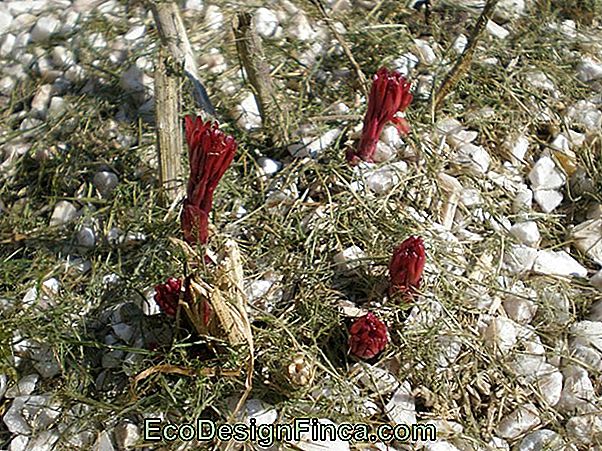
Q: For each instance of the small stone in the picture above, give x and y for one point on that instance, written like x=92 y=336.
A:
x=18 y=443
x=57 y=107
x=539 y=80
x=266 y=22
x=547 y=199
x=25 y=386
x=500 y=335
x=3 y=385
x=261 y=412
x=507 y=10
x=542 y=439
x=391 y=137
x=401 y=408
x=375 y=379
x=248 y=113
x=8 y=44
x=383 y=179
x=474 y=158
x=103 y=442
x=194 y=5
x=519 y=259
x=5 y=20
x=268 y=167
x=520 y=309
x=64 y=212
x=126 y=435
x=214 y=18
x=425 y=52
x=383 y=152
x=105 y=182
x=457 y=138
x=299 y=28
x=350 y=258
x=518 y=422
x=86 y=237
x=589 y=70
x=558 y=263
x=545 y=175
x=495 y=30
x=589 y=333
x=135 y=33
x=517 y=147
x=585 y=429
x=43 y=441
x=585 y=114
x=45 y=27
x=596 y=280
x=577 y=392
x=588 y=239
x=62 y=57
x=405 y=64
x=459 y=44
x=526 y=233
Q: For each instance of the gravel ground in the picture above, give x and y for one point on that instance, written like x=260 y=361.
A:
x=502 y=348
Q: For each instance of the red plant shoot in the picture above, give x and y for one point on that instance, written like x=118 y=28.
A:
x=367 y=336
x=167 y=296
x=210 y=152
x=390 y=93
x=406 y=266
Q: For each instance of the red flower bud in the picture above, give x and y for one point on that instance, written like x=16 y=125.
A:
x=167 y=296
x=406 y=266
x=210 y=152
x=389 y=94
x=367 y=336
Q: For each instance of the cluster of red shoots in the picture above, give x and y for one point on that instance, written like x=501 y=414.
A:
x=210 y=153
x=389 y=95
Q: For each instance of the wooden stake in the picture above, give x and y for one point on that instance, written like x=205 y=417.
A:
x=274 y=115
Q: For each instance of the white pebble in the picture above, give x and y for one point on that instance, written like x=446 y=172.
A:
x=586 y=115
x=6 y=19
x=547 y=199
x=519 y=258
x=517 y=147
x=460 y=44
x=588 y=239
x=57 y=106
x=214 y=18
x=383 y=152
x=63 y=213
x=540 y=80
x=522 y=200
x=589 y=333
x=62 y=57
x=40 y=102
x=103 y=442
x=25 y=386
x=390 y=136
x=545 y=175
x=520 y=309
x=425 y=52
x=405 y=63
x=589 y=70
x=350 y=258
x=550 y=386
x=526 y=233
x=495 y=30
x=542 y=439
x=194 y=5
x=135 y=33
x=8 y=44
x=383 y=179
x=500 y=335
x=518 y=422
x=456 y=138
x=45 y=27
x=267 y=166
x=126 y=435
x=248 y=113
x=474 y=158
x=577 y=392
x=557 y=263
x=596 y=280
x=299 y=28
x=266 y=22
x=401 y=408
x=509 y=9
x=585 y=429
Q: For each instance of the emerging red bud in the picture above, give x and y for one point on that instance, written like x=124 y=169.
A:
x=167 y=296
x=210 y=152
x=367 y=336
x=406 y=266
x=389 y=94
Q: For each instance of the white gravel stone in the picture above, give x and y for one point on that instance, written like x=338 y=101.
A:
x=589 y=70
x=194 y=5
x=390 y=136
x=401 y=408
x=350 y=258
x=500 y=334
x=550 y=386
x=18 y=443
x=588 y=239
x=41 y=101
x=268 y=167
x=383 y=179
x=6 y=19
x=64 y=212
x=586 y=115
x=3 y=385
x=248 y=113
x=542 y=439
x=25 y=386
x=425 y=52
x=405 y=63
x=495 y=30
x=585 y=429
x=540 y=80
x=547 y=199
x=214 y=18
x=526 y=233
x=376 y=379
x=313 y=148
x=62 y=57
x=105 y=182
x=299 y=28
x=577 y=392
x=474 y=158
x=45 y=27
x=29 y=413
x=103 y=442
x=7 y=44
x=383 y=152
x=57 y=107
x=266 y=22
x=545 y=175
x=126 y=435
x=588 y=332
x=457 y=138
x=135 y=33
x=459 y=44
x=518 y=422
x=596 y=280
x=519 y=259
x=520 y=309
x=558 y=263
x=43 y=441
